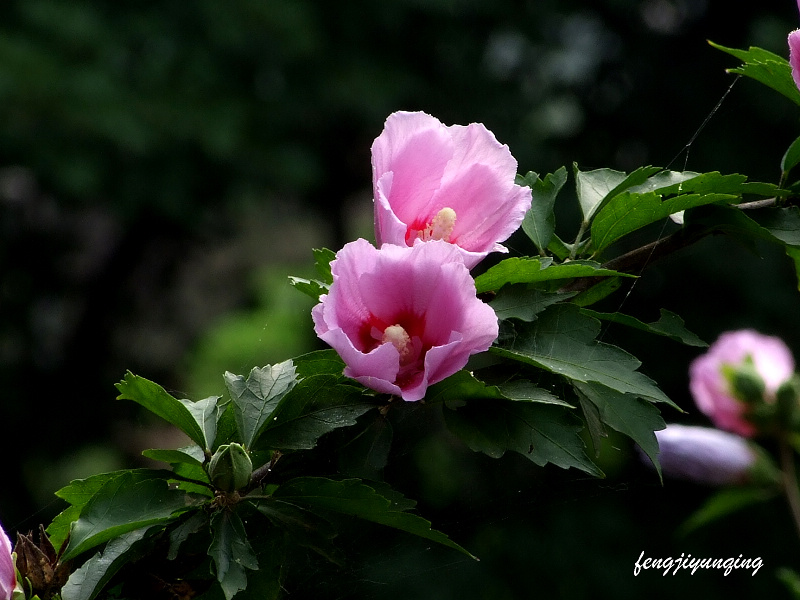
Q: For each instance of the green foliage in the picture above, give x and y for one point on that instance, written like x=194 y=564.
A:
x=669 y=325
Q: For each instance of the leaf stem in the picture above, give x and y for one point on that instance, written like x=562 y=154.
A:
x=578 y=238
x=790 y=487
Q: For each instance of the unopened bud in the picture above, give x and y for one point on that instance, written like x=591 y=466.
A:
x=746 y=383
x=230 y=468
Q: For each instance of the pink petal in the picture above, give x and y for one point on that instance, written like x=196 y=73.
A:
x=794 y=55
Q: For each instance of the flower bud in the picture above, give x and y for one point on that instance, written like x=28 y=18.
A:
x=710 y=456
x=230 y=468
x=745 y=381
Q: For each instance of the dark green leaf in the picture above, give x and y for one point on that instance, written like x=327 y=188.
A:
x=794 y=254
x=319 y=362
x=86 y=582
x=562 y=341
x=791 y=157
x=197 y=520
x=523 y=303
x=540 y=221
x=256 y=397
x=541 y=433
x=594 y=424
x=558 y=248
x=123 y=504
x=783 y=224
x=188 y=455
x=725 y=502
x=628 y=212
x=536 y=270
x=80 y=491
x=366 y=454
x=669 y=325
x=231 y=552
x=353 y=497
x=317 y=405
x=186 y=415
x=464 y=386
x=303 y=526
x=598 y=291
x=629 y=415
x=768 y=68
x=593 y=186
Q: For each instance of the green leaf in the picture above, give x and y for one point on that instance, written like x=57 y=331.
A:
x=768 y=68
x=629 y=212
x=317 y=405
x=322 y=262
x=366 y=453
x=791 y=157
x=540 y=221
x=231 y=552
x=668 y=325
x=631 y=416
x=123 y=504
x=725 y=502
x=310 y=287
x=86 y=582
x=190 y=417
x=594 y=425
x=593 y=186
x=536 y=270
x=303 y=526
x=541 y=433
x=256 y=397
x=464 y=386
x=320 y=362
x=794 y=254
x=562 y=341
x=598 y=291
x=355 y=498
x=523 y=303
x=80 y=491
x=192 y=455
x=783 y=224
x=197 y=520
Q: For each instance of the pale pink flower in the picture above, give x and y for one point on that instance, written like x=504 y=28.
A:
x=794 y=55
x=712 y=389
x=433 y=182
x=8 y=575
x=704 y=455
x=403 y=318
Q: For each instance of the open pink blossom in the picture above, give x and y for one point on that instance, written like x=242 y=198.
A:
x=8 y=575
x=794 y=55
x=433 y=182
x=403 y=318
x=712 y=387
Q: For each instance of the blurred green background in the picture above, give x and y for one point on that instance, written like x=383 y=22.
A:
x=164 y=166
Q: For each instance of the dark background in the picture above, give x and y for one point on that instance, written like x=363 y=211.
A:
x=165 y=165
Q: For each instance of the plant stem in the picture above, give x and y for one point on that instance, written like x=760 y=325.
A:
x=581 y=231
x=790 y=480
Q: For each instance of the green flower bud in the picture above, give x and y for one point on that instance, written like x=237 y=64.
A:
x=745 y=381
x=787 y=400
x=230 y=468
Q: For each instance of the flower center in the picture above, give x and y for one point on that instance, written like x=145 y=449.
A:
x=399 y=338
x=440 y=227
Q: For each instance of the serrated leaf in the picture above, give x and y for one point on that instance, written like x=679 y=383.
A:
x=463 y=386
x=79 y=492
x=86 y=582
x=319 y=362
x=562 y=341
x=791 y=157
x=668 y=325
x=179 y=534
x=593 y=186
x=540 y=432
x=183 y=455
x=190 y=417
x=355 y=498
x=310 y=287
x=768 y=68
x=256 y=397
x=322 y=263
x=366 y=453
x=523 y=303
x=540 y=221
x=631 y=416
x=231 y=552
x=317 y=405
x=629 y=212
x=723 y=503
x=536 y=270
x=123 y=504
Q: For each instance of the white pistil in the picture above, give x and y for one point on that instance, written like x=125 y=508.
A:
x=399 y=338
x=441 y=226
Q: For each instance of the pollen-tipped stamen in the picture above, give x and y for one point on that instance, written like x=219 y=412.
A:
x=399 y=338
